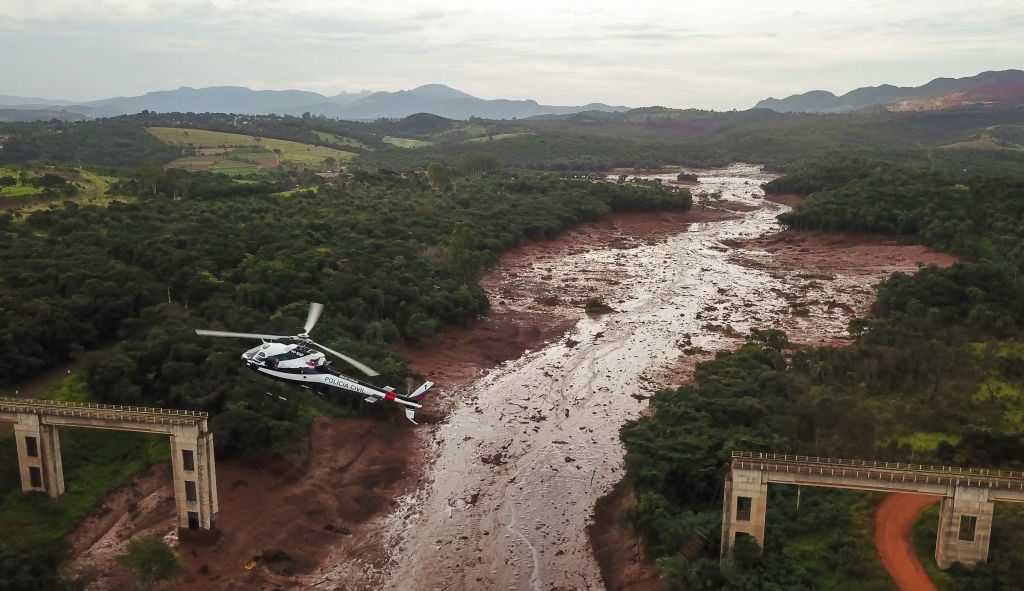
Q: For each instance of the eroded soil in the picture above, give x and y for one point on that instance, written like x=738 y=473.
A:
x=281 y=518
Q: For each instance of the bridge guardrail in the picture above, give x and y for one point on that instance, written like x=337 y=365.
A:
x=143 y=414
x=883 y=471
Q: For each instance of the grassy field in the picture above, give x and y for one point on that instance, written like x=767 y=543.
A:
x=402 y=142
x=21 y=199
x=340 y=140
x=926 y=442
x=500 y=136
x=998 y=137
x=18 y=190
x=290 y=152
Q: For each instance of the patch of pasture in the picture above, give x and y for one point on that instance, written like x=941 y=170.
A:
x=289 y=152
x=401 y=142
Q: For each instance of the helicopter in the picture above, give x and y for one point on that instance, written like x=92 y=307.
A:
x=297 y=359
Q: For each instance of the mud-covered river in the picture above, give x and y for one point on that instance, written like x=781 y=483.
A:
x=514 y=471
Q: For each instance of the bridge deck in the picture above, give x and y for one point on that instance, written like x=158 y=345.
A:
x=888 y=472
x=10 y=407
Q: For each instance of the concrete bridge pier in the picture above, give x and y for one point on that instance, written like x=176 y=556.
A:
x=39 y=455
x=195 y=478
x=965 y=527
x=745 y=506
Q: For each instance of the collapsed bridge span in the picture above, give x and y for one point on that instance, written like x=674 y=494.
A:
x=39 y=460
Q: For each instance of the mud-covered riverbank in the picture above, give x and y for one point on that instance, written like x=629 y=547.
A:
x=513 y=473
x=498 y=493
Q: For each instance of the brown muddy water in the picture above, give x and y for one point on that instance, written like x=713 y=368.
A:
x=514 y=471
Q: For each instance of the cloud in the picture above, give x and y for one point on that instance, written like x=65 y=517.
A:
x=722 y=55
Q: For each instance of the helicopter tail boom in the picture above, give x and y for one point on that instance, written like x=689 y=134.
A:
x=421 y=390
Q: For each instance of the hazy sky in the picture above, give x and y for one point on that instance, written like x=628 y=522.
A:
x=716 y=55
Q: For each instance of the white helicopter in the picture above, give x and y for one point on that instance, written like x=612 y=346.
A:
x=297 y=361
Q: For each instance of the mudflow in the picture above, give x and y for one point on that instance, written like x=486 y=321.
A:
x=512 y=475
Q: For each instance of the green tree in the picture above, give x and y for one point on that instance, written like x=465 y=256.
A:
x=707 y=199
x=420 y=326
x=465 y=260
x=150 y=560
x=148 y=176
x=439 y=176
x=7 y=181
x=477 y=163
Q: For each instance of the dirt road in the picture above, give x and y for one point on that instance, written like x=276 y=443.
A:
x=894 y=520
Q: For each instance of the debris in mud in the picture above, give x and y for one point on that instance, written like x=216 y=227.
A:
x=278 y=561
x=596 y=305
x=569 y=460
x=570 y=343
x=832 y=305
x=272 y=556
x=639 y=397
x=495 y=459
x=548 y=300
x=338 y=529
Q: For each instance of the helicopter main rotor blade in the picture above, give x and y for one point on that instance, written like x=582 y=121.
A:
x=360 y=366
x=240 y=335
x=314 y=314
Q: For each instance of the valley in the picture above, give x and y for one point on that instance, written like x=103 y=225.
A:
x=511 y=471
x=609 y=302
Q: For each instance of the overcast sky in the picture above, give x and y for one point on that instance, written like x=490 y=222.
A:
x=713 y=55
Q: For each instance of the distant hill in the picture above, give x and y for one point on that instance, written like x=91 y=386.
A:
x=12 y=101
x=443 y=101
x=39 y=113
x=437 y=99
x=1006 y=86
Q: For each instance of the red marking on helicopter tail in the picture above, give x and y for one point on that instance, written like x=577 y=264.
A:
x=389 y=396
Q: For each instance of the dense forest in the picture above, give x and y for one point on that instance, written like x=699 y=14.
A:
x=380 y=249
x=393 y=257
x=942 y=362
x=969 y=140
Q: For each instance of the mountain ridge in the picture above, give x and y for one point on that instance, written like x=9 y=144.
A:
x=438 y=99
x=822 y=101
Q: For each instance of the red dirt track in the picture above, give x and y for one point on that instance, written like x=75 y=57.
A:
x=894 y=520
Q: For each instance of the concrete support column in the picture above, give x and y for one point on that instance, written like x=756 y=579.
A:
x=39 y=460
x=965 y=527
x=195 y=480
x=210 y=470
x=745 y=505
